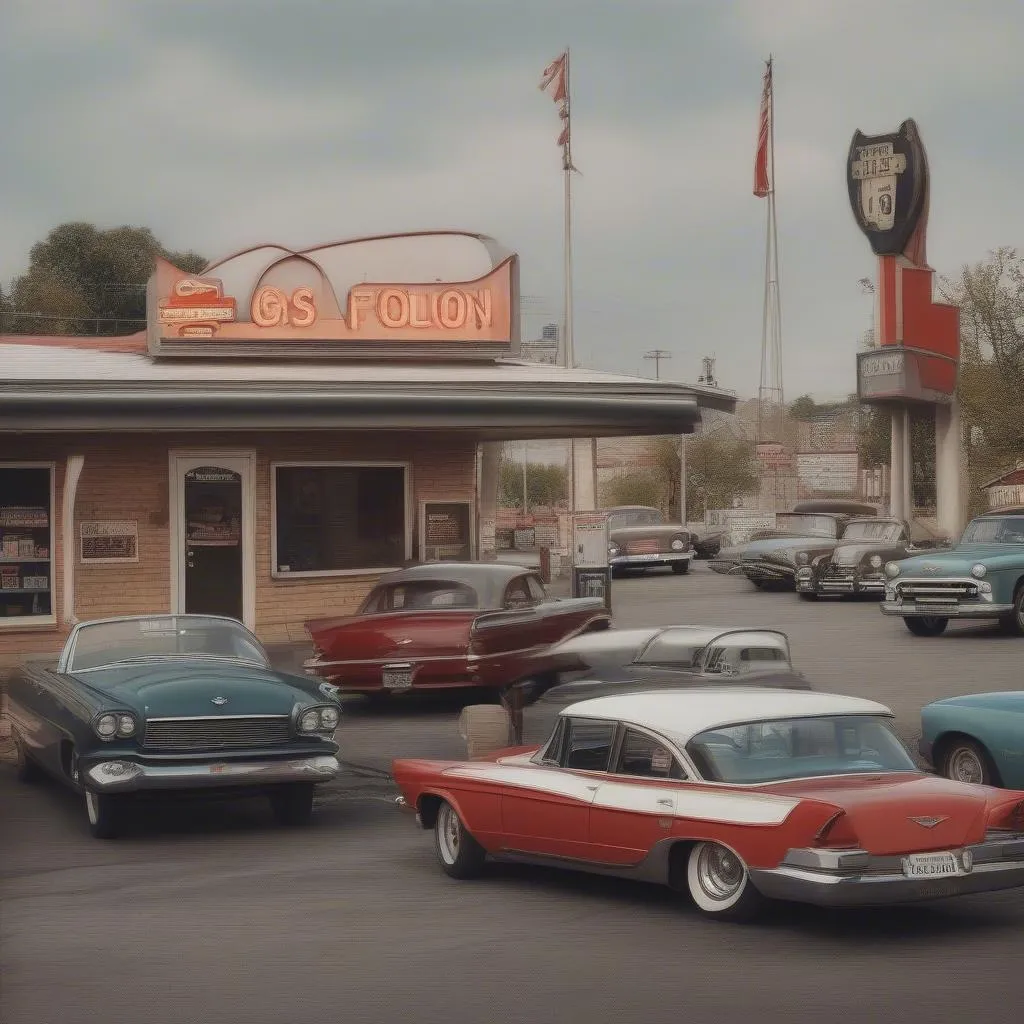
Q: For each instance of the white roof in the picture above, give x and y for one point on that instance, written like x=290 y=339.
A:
x=682 y=714
x=60 y=363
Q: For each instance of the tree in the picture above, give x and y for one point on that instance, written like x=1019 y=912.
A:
x=81 y=277
x=645 y=487
x=803 y=408
x=546 y=485
x=719 y=469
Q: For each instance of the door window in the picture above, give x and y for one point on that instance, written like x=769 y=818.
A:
x=517 y=594
x=647 y=757
x=589 y=745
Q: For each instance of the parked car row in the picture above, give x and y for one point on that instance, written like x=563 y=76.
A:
x=827 y=551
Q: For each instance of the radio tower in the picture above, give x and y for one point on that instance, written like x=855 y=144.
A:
x=770 y=399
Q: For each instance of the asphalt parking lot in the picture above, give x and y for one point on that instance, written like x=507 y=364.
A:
x=212 y=913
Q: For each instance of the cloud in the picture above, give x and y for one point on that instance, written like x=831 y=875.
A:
x=229 y=123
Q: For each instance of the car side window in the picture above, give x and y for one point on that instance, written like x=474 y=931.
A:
x=517 y=594
x=644 y=756
x=589 y=745
x=536 y=589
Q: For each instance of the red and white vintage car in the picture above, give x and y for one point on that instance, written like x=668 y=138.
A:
x=447 y=625
x=732 y=796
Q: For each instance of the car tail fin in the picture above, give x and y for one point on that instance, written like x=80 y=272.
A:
x=837 y=833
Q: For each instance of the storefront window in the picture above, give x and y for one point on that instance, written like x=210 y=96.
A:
x=339 y=517
x=26 y=544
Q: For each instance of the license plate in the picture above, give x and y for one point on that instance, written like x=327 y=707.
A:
x=397 y=678
x=931 y=865
x=644 y=558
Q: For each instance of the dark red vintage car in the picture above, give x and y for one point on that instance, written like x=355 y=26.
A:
x=447 y=625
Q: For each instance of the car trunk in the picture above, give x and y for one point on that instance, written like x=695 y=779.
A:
x=904 y=813
x=392 y=635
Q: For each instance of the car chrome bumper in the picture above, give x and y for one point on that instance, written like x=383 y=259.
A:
x=854 y=878
x=768 y=571
x=972 y=610
x=654 y=558
x=807 y=583
x=127 y=776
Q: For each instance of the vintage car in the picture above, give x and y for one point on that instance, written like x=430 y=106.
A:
x=976 y=738
x=142 y=704
x=980 y=577
x=447 y=625
x=856 y=564
x=640 y=539
x=707 y=545
x=729 y=795
x=769 y=558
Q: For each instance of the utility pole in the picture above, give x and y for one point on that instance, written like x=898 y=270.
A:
x=657 y=354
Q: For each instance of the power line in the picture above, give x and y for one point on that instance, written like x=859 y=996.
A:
x=657 y=354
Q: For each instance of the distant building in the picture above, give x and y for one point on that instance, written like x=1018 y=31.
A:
x=1007 y=488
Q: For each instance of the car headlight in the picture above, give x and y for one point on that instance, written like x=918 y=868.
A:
x=892 y=569
x=112 y=725
x=318 y=719
x=678 y=544
x=802 y=558
x=875 y=561
x=977 y=571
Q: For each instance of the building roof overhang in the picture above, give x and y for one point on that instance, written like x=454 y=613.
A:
x=47 y=387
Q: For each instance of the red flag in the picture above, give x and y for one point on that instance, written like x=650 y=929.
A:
x=555 y=81
x=762 y=186
x=554 y=74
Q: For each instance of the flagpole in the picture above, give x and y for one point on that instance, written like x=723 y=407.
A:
x=570 y=357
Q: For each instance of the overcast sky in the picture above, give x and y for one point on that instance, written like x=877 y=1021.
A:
x=220 y=124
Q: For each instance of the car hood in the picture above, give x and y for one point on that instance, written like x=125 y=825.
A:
x=787 y=545
x=177 y=689
x=1008 y=701
x=882 y=808
x=958 y=561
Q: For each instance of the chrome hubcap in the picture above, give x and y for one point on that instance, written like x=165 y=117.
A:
x=720 y=873
x=964 y=766
x=448 y=832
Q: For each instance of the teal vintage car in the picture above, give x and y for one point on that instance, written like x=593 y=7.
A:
x=976 y=738
x=141 y=704
x=980 y=577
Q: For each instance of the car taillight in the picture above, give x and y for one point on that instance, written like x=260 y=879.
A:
x=837 y=833
x=1009 y=817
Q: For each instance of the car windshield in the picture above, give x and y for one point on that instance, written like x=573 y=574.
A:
x=799 y=748
x=635 y=517
x=421 y=594
x=805 y=525
x=994 y=530
x=873 y=531
x=118 y=641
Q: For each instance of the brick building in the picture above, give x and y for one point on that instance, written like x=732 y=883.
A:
x=281 y=435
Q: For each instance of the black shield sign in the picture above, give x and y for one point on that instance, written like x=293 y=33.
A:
x=887 y=178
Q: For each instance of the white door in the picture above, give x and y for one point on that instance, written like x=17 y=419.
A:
x=212 y=534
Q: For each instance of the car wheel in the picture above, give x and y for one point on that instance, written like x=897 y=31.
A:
x=461 y=856
x=719 y=883
x=25 y=769
x=293 y=804
x=680 y=568
x=968 y=761
x=1013 y=624
x=925 y=625
x=105 y=813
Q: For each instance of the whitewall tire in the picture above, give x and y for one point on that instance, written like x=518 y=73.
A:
x=458 y=853
x=719 y=883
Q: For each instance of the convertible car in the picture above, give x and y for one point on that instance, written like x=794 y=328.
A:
x=856 y=564
x=447 y=625
x=172 y=702
x=980 y=577
x=731 y=796
x=639 y=538
x=770 y=559
x=976 y=738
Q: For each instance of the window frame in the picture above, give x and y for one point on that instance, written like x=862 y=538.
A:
x=624 y=729
x=24 y=622
x=408 y=512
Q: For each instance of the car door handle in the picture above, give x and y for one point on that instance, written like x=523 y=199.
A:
x=664 y=802
x=593 y=789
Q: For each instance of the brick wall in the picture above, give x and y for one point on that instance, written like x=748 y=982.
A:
x=128 y=478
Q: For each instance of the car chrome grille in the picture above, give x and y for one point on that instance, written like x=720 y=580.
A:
x=838 y=573
x=643 y=547
x=936 y=590
x=217 y=733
